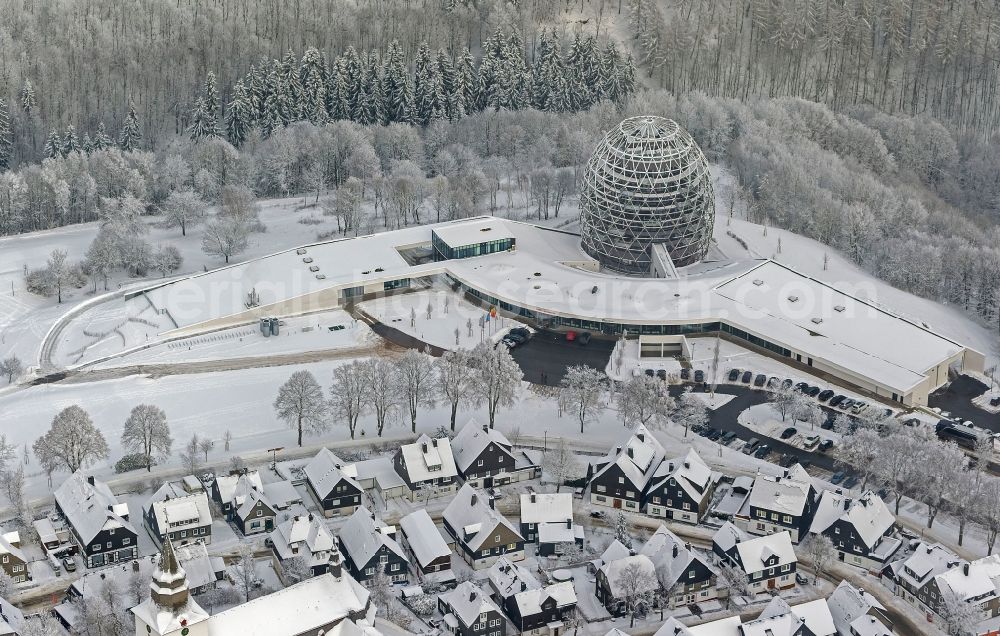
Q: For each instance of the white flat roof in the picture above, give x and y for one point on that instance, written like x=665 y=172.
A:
x=549 y=274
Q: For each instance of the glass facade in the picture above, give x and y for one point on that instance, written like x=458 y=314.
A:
x=396 y=284
x=445 y=252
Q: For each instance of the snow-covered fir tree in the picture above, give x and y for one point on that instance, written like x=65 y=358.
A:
x=130 y=136
x=53 y=145
x=239 y=116
x=204 y=119
x=6 y=137
x=28 y=97
x=468 y=85
x=396 y=91
x=338 y=98
x=425 y=76
x=87 y=144
x=313 y=80
x=70 y=143
x=101 y=139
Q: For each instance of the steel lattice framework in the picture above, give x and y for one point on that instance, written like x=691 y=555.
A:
x=646 y=183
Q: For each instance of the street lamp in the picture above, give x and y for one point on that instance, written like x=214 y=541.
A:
x=274 y=456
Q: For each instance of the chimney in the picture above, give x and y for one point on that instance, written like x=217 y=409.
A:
x=687 y=464
x=631 y=453
x=474 y=499
x=90 y=480
x=434 y=442
x=310 y=517
x=965 y=568
x=472 y=596
x=486 y=428
x=532 y=497
x=336 y=567
x=569 y=524
x=640 y=436
x=493 y=505
x=423 y=447
x=675 y=550
x=777 y=479
x=524 y=586
x=135 y=565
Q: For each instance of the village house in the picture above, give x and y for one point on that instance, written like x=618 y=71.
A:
x=482 y=534
x=428 y=468
x=912 y=578
x=779 y=502
x=370 y=546
x=12 y=559
x=859 y=528
x=430 y=551
x=620 y=479
x=533 y=608
x=683 y=573
x=180 y=510
x=337 y=492
x=621 y=582
x=468 y=611
x=486 y=458
x=547 y=519
x=856 y=612
x=769 y=562
x=304 y=537
x=99 y=522
x=681 y=489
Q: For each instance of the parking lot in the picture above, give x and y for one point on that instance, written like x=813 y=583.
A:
x=956 y=399
x=545 y=358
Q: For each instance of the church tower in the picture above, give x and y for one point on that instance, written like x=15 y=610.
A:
x=169 y=610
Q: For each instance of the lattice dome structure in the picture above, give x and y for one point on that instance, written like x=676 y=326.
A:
x=646 y=183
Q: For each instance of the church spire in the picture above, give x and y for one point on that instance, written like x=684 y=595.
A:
x=169 y=588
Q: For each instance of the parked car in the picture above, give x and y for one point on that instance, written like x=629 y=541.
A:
x=846 y=404
x=786 y=460
x=762 y=451
x=727 y=437
x=911 y=422
x=995 y=401
x=598 y=514
x=810 y=441
x=584 y=338
x=661 y=374
x=760 y=380
x=786 y=384
x=827 y=424
x=800 y=579
x=812 y=391
x=851 y=482
x=801 y=386
x=513 y=340
x=747 y=376
x=773 y=382
x=750 y=445
x=698 y=428
x=734 y=375
x=715 y=435
x=837 y=399
x=570 y=336
x=69 y=564
x=859 y=407
x=789 y=432
x=524 y=332
x=825 y=445
x=651 y=373
x=685 y=373
x=825 y=395
x=699 y=376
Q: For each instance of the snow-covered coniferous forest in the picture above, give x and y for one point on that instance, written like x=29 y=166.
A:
x=298 y=295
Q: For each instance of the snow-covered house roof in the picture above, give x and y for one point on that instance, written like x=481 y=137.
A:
x=363 y=534
x=854 y=612
x=753 y=553
x=726 y=537
x=467 y=602
x=975 y=581
x=867 y=514
x=672 y=627
x=787 y=495
x=326 y=470
x=469 y=514
x=925 y=562
x=613 y=573
x=690 y=472
x=508 y=578
x=10 y=544
x=638 y=458
x=282 y=494
x=779 y=619
x=249 y=501
x=546 y=507
x=423 y=537
x=428 y=459
x=297 y=609
x=90 y=506
x=303 y=535
x=11 y=618
x=234 y=488
x=615 y=550
x=669 y=554
x=472 y=440
x=182 y=508
x=529 y=602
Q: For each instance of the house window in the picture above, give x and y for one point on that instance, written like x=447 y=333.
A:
x=479 y=463
x=109 y=545
x=687 y=506
x=691 y=574
x=656 y=500
x=601 y=499
x=836 y=531
x=787 y=519
x=761 y=514
x=260 y=513
x=126 y=541
x=786 y=568
x=601 y=489
x=629 y=493
x=369 y=571
x=621 y=480
x=6 y=558
x=512 y=546
x=774 y=516
x=496 y=539
x=394 y=568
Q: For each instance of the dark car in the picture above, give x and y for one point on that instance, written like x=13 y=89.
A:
x=825 y=445
x=750 y=445
x=583 y=338
x=846 y=404
x=995 y=401
x=825 y=395
x=911 y=422
x=789 y=432
x=699 y=376
x=812 y=391
x=598 y=514
x=851 y=482
x=715 y=434
x=697 y=428
x=801 y=386
x=837 y=399
x=773 y=382
x=705 y=431
x=727 y=437
x=734 y=375
x=786 y=461
x=747 y=376
x=762 y=451
x=836 y=478
x=786 y=384
x=759 y=380
x=827 y=424
x=513 y=340
x=651 y=373
x=521 y=331
x=661 y=374
x=685 y=373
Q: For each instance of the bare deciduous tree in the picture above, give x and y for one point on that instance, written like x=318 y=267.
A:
x=580 y=392
x=561 y=464
x=455 y=379
x=414 y=373
x=146 y=432
x=72 y=442
x=348 y=393
x=300 y=403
